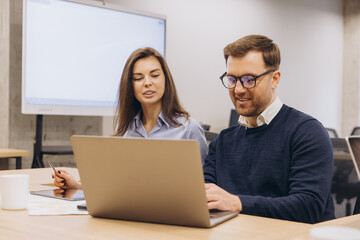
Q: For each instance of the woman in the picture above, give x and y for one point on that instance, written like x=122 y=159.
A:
x=148 y=107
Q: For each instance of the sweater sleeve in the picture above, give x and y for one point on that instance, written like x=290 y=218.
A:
x=309 y=181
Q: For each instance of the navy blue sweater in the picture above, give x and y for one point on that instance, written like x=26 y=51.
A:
x=282 y=170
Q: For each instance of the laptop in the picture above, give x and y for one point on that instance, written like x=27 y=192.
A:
x=147 y=180
x=354 y=149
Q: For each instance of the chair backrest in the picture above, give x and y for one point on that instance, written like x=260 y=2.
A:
x=357 y=205
x=210 y=136
x=205 y=126
x=332 y=133
x=234 y=117
x=339 y=145
x=356 y=131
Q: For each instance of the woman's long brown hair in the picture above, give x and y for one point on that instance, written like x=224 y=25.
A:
x=129 y=106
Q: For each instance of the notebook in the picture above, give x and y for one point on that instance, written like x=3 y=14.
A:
x=147 y=180
x=354 y=149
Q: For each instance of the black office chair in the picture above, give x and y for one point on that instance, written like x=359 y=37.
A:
x=234 y=117
x=332 y=133
x=356 y=131
x=346 y=191
x=345 y=184
x=357 y=205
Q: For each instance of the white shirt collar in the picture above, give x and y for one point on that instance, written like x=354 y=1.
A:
x=266 y=116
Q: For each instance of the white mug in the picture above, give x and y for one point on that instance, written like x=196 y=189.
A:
x=14 y=191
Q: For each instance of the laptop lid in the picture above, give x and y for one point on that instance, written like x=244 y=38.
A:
x=354 y=149
x=147 y=180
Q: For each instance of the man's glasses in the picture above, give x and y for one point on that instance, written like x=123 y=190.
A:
x=248 y=81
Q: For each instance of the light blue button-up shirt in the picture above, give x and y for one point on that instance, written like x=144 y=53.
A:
x=190 y=129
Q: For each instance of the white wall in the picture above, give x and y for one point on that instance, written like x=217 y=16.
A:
x=309 y=34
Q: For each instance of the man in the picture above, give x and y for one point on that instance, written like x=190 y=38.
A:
x=278 y=162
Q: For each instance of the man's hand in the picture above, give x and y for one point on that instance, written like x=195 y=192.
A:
x=220 y=199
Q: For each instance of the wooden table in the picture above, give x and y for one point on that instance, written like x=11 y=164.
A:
x=19 y=225
x=350 y=221
x=14 y=153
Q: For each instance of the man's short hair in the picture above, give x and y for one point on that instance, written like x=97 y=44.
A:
x=270 y=51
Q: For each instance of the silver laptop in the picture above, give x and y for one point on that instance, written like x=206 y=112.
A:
x=148 y=180
x=354 y=149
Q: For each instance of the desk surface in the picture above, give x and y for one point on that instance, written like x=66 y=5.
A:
x=350 y=221
x=10 y=152
x=19 y=225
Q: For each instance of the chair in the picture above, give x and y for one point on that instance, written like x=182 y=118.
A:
x=210 y=136
x=357 y=205
x=205 y=126
x=234 y=117
x=346 y=191
x=356 y=131
x=332 y=133
x=345 y=184
x=339 y=146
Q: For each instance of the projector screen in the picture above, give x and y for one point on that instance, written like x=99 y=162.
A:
x=74 y=53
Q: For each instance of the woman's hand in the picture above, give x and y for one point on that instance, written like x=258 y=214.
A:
x=65 y=193
x=65 y=180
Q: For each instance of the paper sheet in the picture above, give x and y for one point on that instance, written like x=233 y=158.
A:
x=39 y=205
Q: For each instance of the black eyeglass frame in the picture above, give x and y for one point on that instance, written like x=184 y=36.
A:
x=241 y=81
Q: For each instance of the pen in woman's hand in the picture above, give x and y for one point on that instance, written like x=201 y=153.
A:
x=56 y=171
